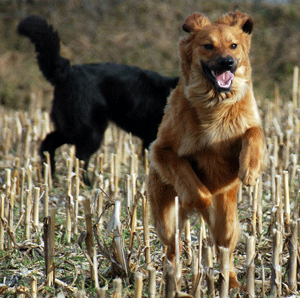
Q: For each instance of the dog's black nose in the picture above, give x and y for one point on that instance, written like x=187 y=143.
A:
x=226 y=63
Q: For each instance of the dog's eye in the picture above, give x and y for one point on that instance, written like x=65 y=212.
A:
x=233 y=46
x=208 y=46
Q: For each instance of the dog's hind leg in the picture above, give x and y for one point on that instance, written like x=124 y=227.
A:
x=222 y=219
x=84 y=153
x=89 y=139
x=85 y=149
x=162 y=202
x=52 y=141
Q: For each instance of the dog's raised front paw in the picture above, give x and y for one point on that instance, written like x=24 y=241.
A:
x=249 y=176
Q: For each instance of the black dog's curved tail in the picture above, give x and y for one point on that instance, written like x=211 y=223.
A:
x=47 y=45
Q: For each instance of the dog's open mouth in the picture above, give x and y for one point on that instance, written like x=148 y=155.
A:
x=221 y=79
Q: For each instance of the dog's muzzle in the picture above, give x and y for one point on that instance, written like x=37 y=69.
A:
x=220 y=73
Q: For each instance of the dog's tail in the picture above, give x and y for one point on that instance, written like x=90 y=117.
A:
x=47 y=45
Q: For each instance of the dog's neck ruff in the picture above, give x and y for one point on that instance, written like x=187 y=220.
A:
x=214 y=107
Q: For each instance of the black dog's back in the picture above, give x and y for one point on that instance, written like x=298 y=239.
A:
x=87 y=97
x=94 y=94
x=136 y=98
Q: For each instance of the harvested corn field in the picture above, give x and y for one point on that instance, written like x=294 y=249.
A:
x=60 y=238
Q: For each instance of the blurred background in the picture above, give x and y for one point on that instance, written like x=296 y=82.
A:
x=144 y=33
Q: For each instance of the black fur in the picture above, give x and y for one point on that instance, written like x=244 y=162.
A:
x=87 y=97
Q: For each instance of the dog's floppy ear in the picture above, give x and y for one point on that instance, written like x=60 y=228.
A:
x=195 y=22
x=242 y=20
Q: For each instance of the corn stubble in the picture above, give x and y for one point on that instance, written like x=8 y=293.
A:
x=99 y=241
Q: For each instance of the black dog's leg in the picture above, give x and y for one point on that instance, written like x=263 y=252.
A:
x=90 y=143
x=84 y=152
x=52 y=141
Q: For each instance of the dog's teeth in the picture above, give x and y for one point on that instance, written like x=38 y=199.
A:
x=213 y=73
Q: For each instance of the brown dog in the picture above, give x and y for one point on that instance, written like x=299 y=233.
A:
x=210 y=137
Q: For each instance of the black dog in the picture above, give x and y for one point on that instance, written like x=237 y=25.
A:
x=87 y=97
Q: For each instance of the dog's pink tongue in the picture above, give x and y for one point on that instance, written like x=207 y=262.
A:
x=224 y=80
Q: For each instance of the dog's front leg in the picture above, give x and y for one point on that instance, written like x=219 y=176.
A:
x=177 y=171
x=251 y=156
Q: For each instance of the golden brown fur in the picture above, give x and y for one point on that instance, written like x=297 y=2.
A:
x=210 y=137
